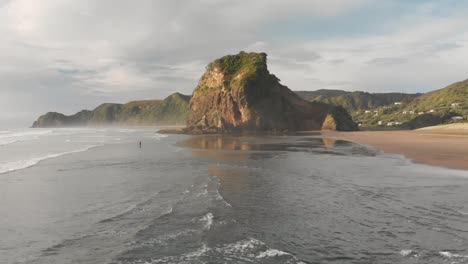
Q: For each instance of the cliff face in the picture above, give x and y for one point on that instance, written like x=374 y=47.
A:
x=172 y=110
x=238 y=93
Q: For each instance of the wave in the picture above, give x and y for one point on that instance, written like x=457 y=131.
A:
x=270 y=253
x=160 y=136
x=254 y=249
x=248 y=250
x=451 y=255
x=406 y=252
x=243 y=245
x=23 y=164
x=10 y=134
x=199 y=252
x=8 y=137
x=8 y=142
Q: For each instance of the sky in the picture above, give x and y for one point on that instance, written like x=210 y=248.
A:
x=68 y=55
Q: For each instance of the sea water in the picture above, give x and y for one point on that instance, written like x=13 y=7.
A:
x=93 y=196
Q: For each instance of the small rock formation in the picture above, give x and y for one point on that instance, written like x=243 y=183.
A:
x=237 y=93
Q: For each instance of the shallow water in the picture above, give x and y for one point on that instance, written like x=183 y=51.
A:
x=226 y=199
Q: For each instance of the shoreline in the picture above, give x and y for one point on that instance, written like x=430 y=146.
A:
x=434 y=146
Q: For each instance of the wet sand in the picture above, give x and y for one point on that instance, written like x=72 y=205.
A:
x=434 y=146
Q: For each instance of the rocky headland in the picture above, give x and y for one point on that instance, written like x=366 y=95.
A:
x=237 y=93
x=172 y=110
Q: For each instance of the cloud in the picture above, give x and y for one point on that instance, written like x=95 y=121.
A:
x=65 y=55
x=387 y=61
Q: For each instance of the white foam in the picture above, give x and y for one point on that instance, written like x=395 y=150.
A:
x=168 y=211
x=219 y=197
x=124 y=130
x=406 y=252
x=5 y=142
x=451 y=255
x=208 y=219
x=248 y=250
x=8 y=137
x=25 y=133
x=205 y=192
x=160 y=136
x=272 y=253
x=190 y=257
x=252 y=249
x=10 y=166
x=198 y=253
x=242 y=246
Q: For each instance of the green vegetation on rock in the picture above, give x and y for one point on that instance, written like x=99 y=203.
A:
x=339 y=119
x=237 y=93
x=237 y=71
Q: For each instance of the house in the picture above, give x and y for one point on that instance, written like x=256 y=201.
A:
x=397 y=123
x=421 y=113
x=431 y=111
x=397 y=103
x=405 y=112
x=367 y=111
x=379 y=123
x=411 y=112
x=390 y=123
x=456 y=118
x=455 y=105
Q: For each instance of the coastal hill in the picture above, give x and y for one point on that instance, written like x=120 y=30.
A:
x=172 y=110
x=238 y=93
x=454 y=96
x=446 y=105
x=354 y=101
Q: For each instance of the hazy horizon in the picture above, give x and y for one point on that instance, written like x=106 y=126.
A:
x=69 y=55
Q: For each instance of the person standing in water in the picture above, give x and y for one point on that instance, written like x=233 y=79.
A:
x=140 y=144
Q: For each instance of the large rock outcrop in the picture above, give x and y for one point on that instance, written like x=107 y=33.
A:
x=237 y=93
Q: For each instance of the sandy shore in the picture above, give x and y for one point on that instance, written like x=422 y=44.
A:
x=440 y=146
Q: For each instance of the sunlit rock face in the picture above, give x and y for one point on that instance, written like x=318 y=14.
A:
x=237 y=93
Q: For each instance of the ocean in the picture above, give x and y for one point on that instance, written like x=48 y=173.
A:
x=92 y=195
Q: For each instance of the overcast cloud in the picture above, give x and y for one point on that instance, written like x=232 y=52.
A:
x=66 y=55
